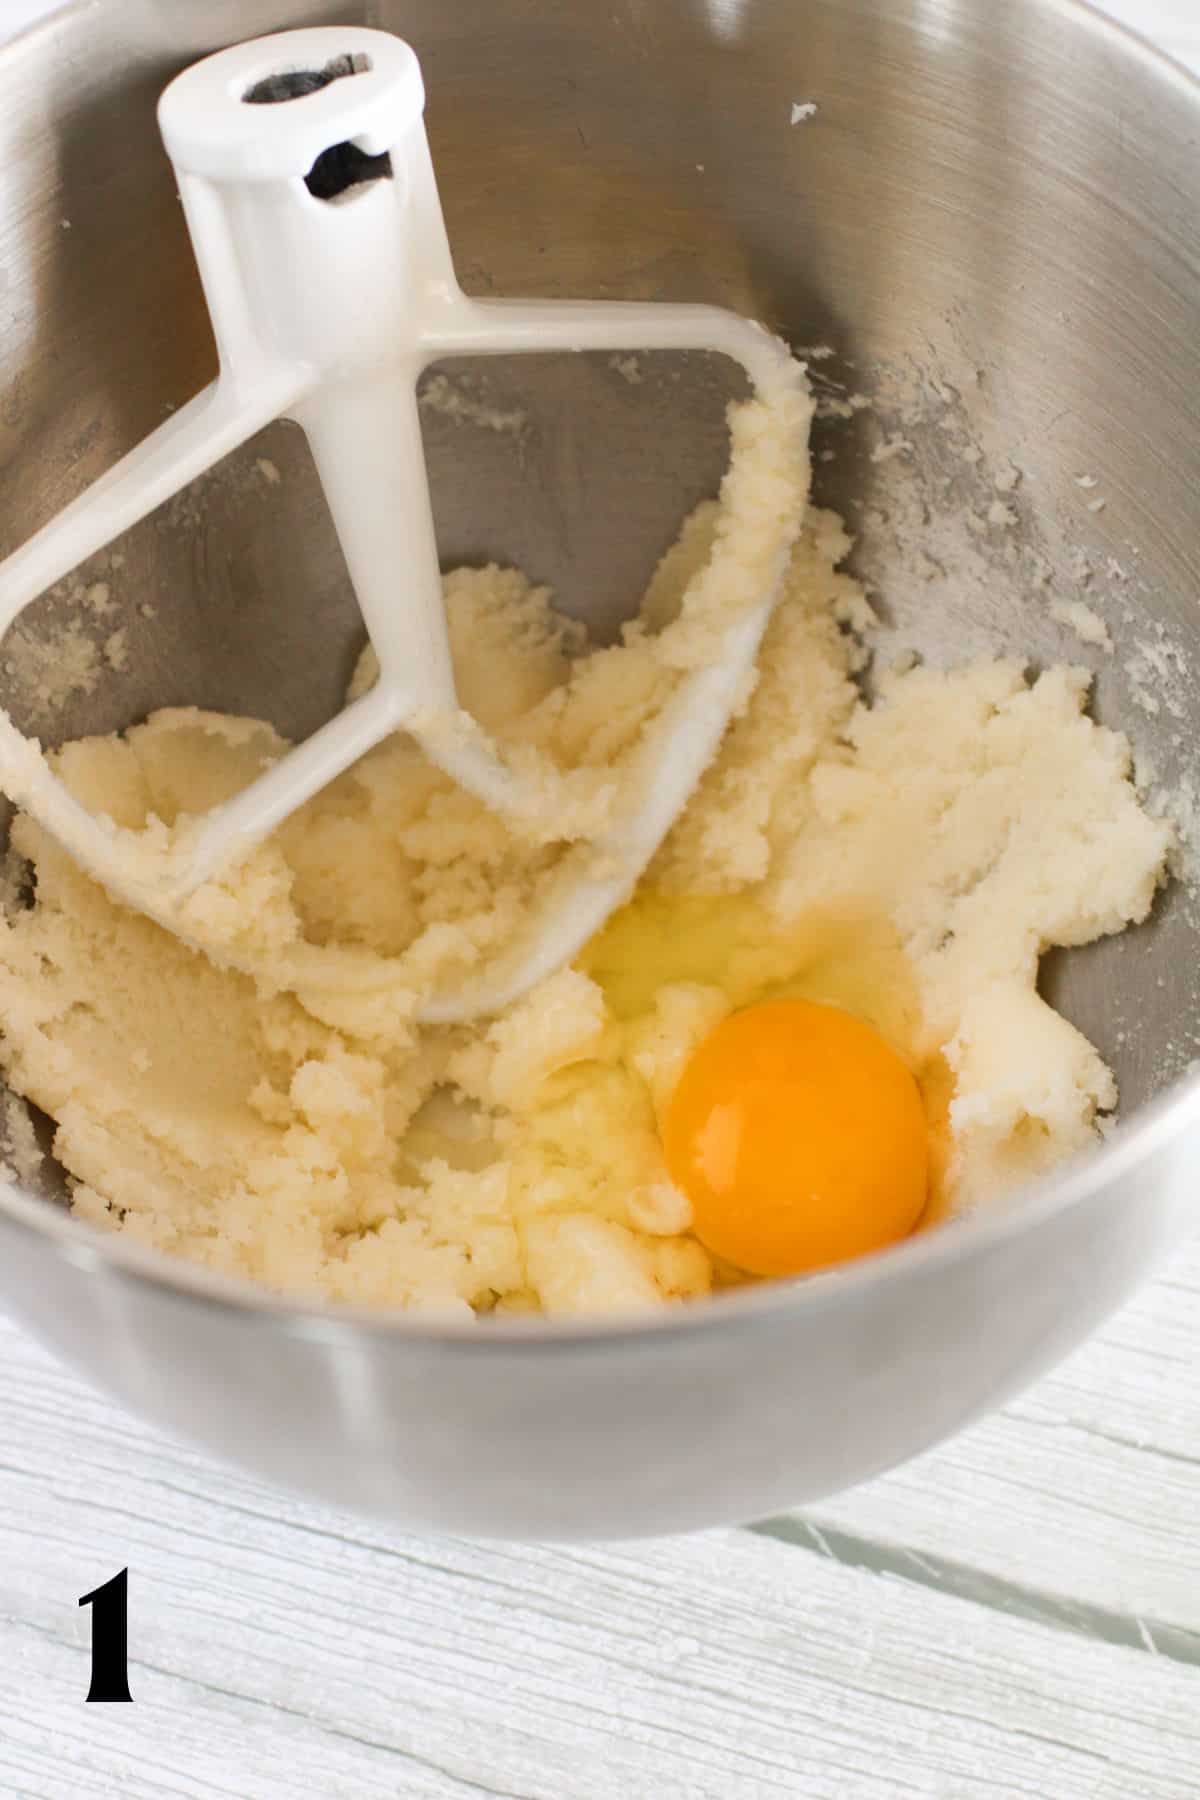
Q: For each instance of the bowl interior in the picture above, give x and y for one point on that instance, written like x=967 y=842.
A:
x=990 y=231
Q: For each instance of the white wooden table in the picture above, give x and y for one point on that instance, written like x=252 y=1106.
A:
x=1015 y=1614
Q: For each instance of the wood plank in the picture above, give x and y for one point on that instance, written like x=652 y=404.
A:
x=1078 y=1503
x=321 y=1656
x=1086 y=1489
x=324 y=1657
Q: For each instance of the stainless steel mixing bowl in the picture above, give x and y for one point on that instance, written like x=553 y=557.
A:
x=994 y=221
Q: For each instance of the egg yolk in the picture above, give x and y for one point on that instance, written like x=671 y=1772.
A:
x=800 y=1138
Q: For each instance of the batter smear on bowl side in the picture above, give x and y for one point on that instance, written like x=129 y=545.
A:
x=261 y=1099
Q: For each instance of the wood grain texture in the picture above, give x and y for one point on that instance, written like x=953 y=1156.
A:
x=280 y=1649
x=1016 y=1614
x=1087 y=1488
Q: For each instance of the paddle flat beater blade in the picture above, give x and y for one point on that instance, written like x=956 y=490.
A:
x=310 y=196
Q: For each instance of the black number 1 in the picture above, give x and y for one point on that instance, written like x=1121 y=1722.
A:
x=110 y=1639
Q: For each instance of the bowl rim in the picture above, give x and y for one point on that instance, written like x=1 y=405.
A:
x=1155 y=1126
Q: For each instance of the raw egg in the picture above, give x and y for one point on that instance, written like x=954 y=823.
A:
x=800 y=1137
